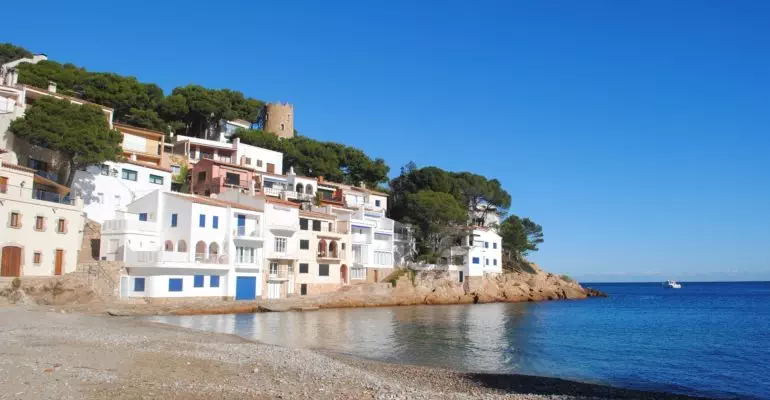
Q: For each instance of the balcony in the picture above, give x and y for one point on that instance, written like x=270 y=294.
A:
x=330 y=255
x=278 y=274
x=170 y=259
x=124 y=225
x=53 y=176
x=248 y=234
x=35 y=194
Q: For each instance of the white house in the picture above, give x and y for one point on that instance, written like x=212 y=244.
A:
x=109 y=187
x=40 y=225
x=178 y=245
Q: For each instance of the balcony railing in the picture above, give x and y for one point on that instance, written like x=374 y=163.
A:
x=271 y=191
x=122 y=225
x=36 y=194
x=243 y=233
x=280 y=273
x=161 y=257
x=334 y=255
x=53 y=176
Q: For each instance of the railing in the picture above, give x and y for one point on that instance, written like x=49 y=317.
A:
x=122 y=225
x=331 y=254
x=161 y=256
x=53 y=176
x=280 y=273
x=36 y=194
x=272 y=191
x=242 y=232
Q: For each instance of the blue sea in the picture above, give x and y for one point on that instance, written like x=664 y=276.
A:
x=707 y=339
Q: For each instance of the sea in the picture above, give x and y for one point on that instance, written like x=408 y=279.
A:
x=706 y=339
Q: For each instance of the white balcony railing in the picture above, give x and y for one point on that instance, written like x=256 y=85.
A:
x=155 y=257
x=123 y=225
x=243 y=232
x=275 y=192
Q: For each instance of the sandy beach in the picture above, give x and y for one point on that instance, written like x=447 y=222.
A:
x=48 y=354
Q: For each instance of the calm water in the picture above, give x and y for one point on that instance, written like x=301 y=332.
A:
x=710 y=339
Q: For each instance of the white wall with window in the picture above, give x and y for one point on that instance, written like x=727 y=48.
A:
x=110 y=186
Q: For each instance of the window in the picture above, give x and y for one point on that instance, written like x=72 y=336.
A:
x=461 y=276
x=158 y=180
x=280 y=245
x=202 y=221
x=128 y=175
x=61 y=225
x=181 y=246
x=138 y=284
x=39 y=223
x=3 y=184
x=117 y=200
x=201 y=176
x=198 y=281
x=259 y=163
x=323 y=269
x=37 y=164
x=247 y=160
x=232 y=179
x=273 y=268
x=475 y=260
x=316 y=225
x=142 y=216
x=331 y=227
x=134 y=143
x=100 y=197
x=245 y=255
x=104 y=169
x=486 y=261
x=343 y=245
x=304 y=244
x=15 y=220
x=36 y=257
x=486 y=245
x=303 y=268
x=215 y=222
x=382 y=236
x=377 y=203
x=494 y=262
x=168 y=246
x=175 y=284
x=303 y=289
x=303 y=224
x=494 y=245
x=214 y=281
x=174 y=220
x=176 y=169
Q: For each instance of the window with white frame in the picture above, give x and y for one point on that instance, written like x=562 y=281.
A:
x=245 y=255
x=383 y=258
x=280 y=245
x=358 y=273
x=273 y=268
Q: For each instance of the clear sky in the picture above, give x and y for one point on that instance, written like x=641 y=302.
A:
x=636 y=133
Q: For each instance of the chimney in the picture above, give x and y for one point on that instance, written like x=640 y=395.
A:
x=291 y=171
x=52 y=86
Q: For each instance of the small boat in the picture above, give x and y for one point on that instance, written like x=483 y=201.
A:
x=672 y=285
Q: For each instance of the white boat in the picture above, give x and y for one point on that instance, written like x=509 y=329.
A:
x=672 y=285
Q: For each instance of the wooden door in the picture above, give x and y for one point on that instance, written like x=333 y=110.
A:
x=270 y=168
x=11 y=263
x=3 y=184
x=59 y=262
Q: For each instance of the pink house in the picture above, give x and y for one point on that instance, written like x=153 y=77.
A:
x=212 y=176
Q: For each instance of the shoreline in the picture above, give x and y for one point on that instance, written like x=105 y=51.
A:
x=85 y=356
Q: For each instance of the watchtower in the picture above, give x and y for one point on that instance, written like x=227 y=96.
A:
x=279 y=119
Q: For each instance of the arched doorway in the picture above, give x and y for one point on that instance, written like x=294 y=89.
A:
x=11 y=262
x=213 y=252
x=200 y=251
x=344 y=274
x=299 y=188
x=322 y=248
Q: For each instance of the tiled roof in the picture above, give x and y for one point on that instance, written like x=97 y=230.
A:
x=146 y=164
x=18 y=167
x=316 y=214
x=276 y=200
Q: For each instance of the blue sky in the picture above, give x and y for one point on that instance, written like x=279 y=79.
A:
x=636 y=133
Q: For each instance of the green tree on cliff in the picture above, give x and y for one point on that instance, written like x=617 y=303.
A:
x=440 y=220
x=10 y=52
x=521 y=236
x=80 y=133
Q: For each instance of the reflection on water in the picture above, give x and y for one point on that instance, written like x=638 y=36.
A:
x=473 y=338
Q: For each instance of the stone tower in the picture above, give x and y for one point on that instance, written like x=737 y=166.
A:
x=279 y=119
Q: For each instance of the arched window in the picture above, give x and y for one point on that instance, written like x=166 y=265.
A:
x=309 y=189
x=322 y=248
x=169 y=246
x=200 y=251
x=181 y=246
x=333 y=249
x=213 y=251
x=299 y=188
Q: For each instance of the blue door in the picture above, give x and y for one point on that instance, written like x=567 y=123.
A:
x=241 y=224
x=245 y=288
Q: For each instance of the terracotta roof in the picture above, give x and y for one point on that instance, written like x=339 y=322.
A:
x=18 y=167
x=57 y=94
x=276 y=200
x=145 y=164
x=213 y=202
x=316 y=214
x=333 y=202
x=241 y=167
x=137 y=129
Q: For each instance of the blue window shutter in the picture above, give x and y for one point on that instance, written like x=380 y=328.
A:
x=494 y=245
x=214 y=281
x=174 y=284
x=202 y=221
x=139 y=284
x=475 y=260
x=495 y=261
x=486 y=261
x=215 y=223
x=142 y=216
x=198 y=281
x=486 y=245
x=173 y=220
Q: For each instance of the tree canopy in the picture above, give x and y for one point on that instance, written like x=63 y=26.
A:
x=10 y=52
x=334 y=161
x=188 y=110
x=439 y=220
x=468 y=189
x=520 y=237
x=80 y=133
